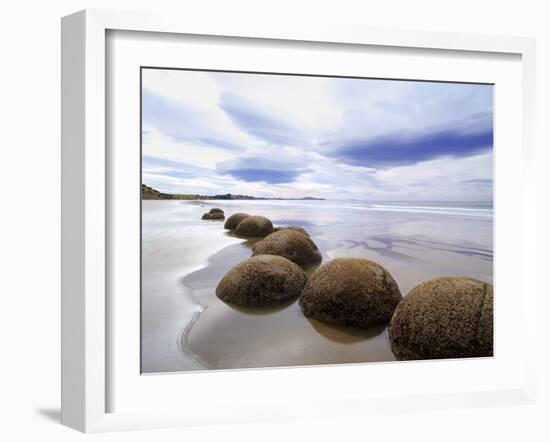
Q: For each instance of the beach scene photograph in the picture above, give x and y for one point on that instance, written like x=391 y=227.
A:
x=299 y=220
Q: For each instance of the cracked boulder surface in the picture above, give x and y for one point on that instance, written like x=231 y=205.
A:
x=447 y=317
x=350 y=291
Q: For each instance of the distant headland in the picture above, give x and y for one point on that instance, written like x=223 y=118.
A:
x=148 y=193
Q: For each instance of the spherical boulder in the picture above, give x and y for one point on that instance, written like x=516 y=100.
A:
x=213 y=216
x=350 y=291
x=254 y=227
x=289 y=244
x=295 y=228
x=449 y=317
x=233 y=221
x=262 y=280
x=216 y=210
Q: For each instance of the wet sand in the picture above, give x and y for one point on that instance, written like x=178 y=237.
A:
x=228 y=336
x=186 y=327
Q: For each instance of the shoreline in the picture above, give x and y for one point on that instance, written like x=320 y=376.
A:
x=171 y=246
x=182 y=338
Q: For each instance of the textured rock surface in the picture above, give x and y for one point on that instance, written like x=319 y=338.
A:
x=213 y=216
x=350 y=291
x=215 y=210
x=289 y=244
x=233 y=221
x=296 y=228
x=449 y=317
x=254 y=227
x=262 y=280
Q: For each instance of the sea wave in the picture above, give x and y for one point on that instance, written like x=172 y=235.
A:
x=436 y=210
x=483 y=210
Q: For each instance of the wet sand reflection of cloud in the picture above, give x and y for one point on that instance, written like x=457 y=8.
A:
x=389 y=243
x=385 y=250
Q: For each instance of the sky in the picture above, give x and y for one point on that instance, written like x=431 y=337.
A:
x=336 y=138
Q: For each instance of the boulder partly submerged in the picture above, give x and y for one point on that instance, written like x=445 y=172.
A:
x=290 y=244
x=233 y=221
x=447 y=317
x=213 y=216
x=350 y=291
x=254 y=227
x=262 y=280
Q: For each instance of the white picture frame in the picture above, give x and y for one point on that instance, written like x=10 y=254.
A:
x=85 y=201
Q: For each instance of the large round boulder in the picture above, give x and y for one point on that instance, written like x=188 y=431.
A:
x=233 y=221
x=213 y=216
x=450 y=317
x=262 y=280
x=350 y=291
x=254 y=227
x=216 y=210
x=290 y=244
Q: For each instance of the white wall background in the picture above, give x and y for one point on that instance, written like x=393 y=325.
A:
x=30 y=220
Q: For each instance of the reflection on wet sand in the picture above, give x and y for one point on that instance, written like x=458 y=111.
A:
x=224 y=337
x=263 y=310
x=345 y=335
x=228 y=336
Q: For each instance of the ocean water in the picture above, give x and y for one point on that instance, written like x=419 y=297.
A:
x=185 y=327
x=460 y=208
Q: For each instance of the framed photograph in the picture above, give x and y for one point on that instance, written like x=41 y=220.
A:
x=262 y=222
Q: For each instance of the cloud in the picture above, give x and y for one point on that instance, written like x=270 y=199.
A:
x=155 y=166
x=152 y=162
x=167 y=115
x=183 y=124
x=293 y=136
x=261 y=120
x=254 y=169
x=156 y=144
x=374 y=108
x=407 y=147
x=479 y=182
x=442 y=179
x=179 y=177
x=265 y=175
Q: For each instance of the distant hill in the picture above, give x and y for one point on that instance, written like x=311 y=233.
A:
x=148 y=193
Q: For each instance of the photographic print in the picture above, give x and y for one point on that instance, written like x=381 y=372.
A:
x=295 y=220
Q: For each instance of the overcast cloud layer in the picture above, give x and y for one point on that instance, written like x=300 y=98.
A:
x=287 y=136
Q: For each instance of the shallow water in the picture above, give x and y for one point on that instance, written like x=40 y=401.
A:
x=186 y=327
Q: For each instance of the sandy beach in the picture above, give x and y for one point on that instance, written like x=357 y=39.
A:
x=186 y=327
